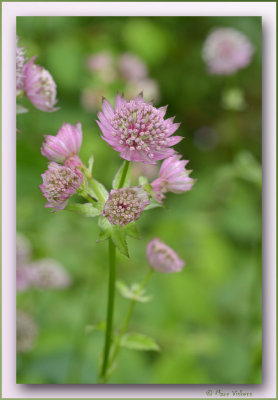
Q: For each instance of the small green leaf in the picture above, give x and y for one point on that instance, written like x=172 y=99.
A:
x=143 y=180
x=132 y=293
x=90 y=164
x=137 y=341
x=20 y=109
x=119 y=239
x=118 y=177
x=87 y=209
x=153 y=204
x=131 y=230
x=101 y=188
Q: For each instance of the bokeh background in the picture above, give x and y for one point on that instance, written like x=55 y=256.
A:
x=206 y=319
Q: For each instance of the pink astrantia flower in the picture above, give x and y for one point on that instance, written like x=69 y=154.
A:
x=39 y=86
x=132 y=68
x=173 y=177
x=162 y=258
x=26 y=331
x=138 y=130
x=20 y=60
x=125 y=205
x=49 y=274
x=59 y=184
x=64 y=147
x=227 y=50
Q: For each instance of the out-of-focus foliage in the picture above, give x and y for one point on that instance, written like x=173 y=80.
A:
x=206 y=319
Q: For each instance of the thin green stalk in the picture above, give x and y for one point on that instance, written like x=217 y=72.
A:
x=110 y=308
x=127 y=319
x=93 y=183
x=125 y=170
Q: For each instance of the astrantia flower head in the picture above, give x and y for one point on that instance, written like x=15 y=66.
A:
x=20 y=60
x=64 y=147
x=162 y=258
x=49 y=274
x=39 y=86
x=138 y=130
x=59 y=184
x=132 y=68
x=227 y=50
x=125 y=205
x=173 y=177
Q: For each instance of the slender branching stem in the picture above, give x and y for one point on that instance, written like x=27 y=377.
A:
x=125 y=171
x=110 y=309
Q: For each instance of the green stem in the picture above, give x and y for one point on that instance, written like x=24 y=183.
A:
x=110 y=308
x=94 y=186
x=125 y=170
x=127 y=319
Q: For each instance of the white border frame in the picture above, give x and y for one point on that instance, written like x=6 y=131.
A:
x=9 y=13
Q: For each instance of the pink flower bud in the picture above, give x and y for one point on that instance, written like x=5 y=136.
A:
x=135 y=120
x=162 y=258
x=64 y=147
x=173 y=177
x=59 y=184
x=39 y=86
x=125 y=205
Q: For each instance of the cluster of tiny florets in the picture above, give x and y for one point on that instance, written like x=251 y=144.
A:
x=141 y=126
x=48 y=87
x=125 y=205
x=59 y=183
x=20 y=60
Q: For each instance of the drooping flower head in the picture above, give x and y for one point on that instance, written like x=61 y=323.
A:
x=227 y=50
x=26 y=331
x=20 y=60
x=59 y=184
x=125 y=205
x=162 y=258
x=39 y=86
x=173 y=177
x=49 y=274
x=138 y=130
x=65 y=146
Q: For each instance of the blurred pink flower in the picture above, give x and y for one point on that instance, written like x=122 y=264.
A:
x=39 y=86
x=125 y=205
x=65 y=146
x=102 y=65
x=59 y=184
x=227 y=50
x=20 y=60
x=148 y=86
x=138 y=130
x=141 y=169
x=49 y=274
x=162 y=258
x=173 y=177
x=26 y=331
x=132 y=68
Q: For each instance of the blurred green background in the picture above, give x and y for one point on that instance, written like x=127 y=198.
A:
x=207 y=319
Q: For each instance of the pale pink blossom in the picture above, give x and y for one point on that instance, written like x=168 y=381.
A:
x=173 y=177
x=49 y=274
x=39 y=86
x=137 y=130
x=125 y=205
x=226 y=50
x=20 y=60
x=162 y=258
x=65 y=146
x=132 y=68
x=59 y=184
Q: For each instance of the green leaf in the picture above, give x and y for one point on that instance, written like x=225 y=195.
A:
x=87 y=209
x=131 y=230
x=118 y=237
x=153 y=204
x=137 y=341
x=132 y=293
x=101 y=188
x=20 y=109
x=118 y=177
x=143 y=180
